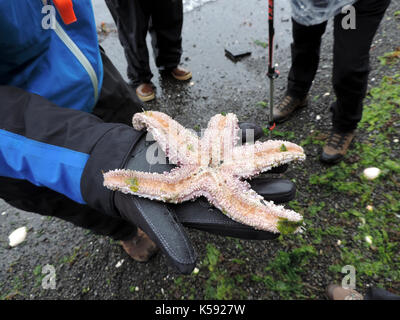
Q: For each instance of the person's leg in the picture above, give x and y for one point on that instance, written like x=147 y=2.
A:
x=166 y=32
x=118 y=101
x=351 y=62
x=132 y=20
x=305 y=57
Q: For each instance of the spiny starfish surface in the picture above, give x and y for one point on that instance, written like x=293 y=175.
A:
x=215 y=167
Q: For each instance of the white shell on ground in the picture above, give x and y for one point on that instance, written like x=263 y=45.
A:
x=196 y=270
x=368 y=239
x=17 y=236
x=372 y=173
x=119 y=263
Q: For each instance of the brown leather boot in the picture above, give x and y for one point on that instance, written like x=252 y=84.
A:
x=285 y=109
x=336 y=146
x=140 y=248
x=145 y=92
x=181 y=74
x=336 y=292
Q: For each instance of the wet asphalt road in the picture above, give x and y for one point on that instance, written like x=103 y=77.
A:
x=85 y=264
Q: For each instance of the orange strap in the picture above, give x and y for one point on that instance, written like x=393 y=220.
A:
x=66 y=10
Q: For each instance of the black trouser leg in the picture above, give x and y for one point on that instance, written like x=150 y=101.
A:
x=118 y=102
x=132 y=20
x=26 y=196
x=351 y=62
x=305 y=57
x=166 y=32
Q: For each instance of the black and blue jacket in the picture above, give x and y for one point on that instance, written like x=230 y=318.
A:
x=50 y=80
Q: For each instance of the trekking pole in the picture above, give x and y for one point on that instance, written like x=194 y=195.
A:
x=272 y=73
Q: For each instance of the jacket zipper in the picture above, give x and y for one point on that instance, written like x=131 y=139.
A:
x=64 y=37
x=80 y=56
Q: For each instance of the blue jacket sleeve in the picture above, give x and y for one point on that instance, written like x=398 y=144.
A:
x=62 y=149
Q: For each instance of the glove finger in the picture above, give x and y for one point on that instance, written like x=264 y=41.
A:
x=202 y=216
x=155 y=218
x=250 y=132
x=276 y=190
x=159 y=222
x=281 y=169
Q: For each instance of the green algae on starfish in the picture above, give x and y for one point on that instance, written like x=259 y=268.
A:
x=133 y=184
x=283 y=148
x=286 y=226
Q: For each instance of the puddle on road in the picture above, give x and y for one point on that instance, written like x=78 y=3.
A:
x=189 y=5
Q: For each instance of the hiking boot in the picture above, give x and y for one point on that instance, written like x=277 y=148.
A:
x=145 y=92
x=181 y=74
x=336 y=146
x=336 y=292
x=140 y=248
x=285 y=109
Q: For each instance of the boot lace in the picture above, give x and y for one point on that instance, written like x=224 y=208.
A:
x=336 y=140
x=285 y=103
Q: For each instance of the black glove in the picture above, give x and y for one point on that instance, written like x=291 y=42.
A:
x=76 y=147
x=163 y=222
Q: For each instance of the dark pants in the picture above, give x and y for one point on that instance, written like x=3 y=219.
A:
x=117 y=103
x=163 y=19
x=350 y=60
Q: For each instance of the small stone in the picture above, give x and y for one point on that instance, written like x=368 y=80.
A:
x=17 y=236
x=3 y=213
x=196 y=270
x=119 y=263
x=372 y=173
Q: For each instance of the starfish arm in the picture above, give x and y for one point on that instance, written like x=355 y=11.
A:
x=179 y=144
x=220 y=137
x=238 y=201
x=180 y=184
x=250 y=160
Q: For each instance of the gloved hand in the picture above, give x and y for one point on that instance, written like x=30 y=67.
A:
x=64 y=151
x=163 y=222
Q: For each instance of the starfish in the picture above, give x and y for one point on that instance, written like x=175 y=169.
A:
x=213 y=166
